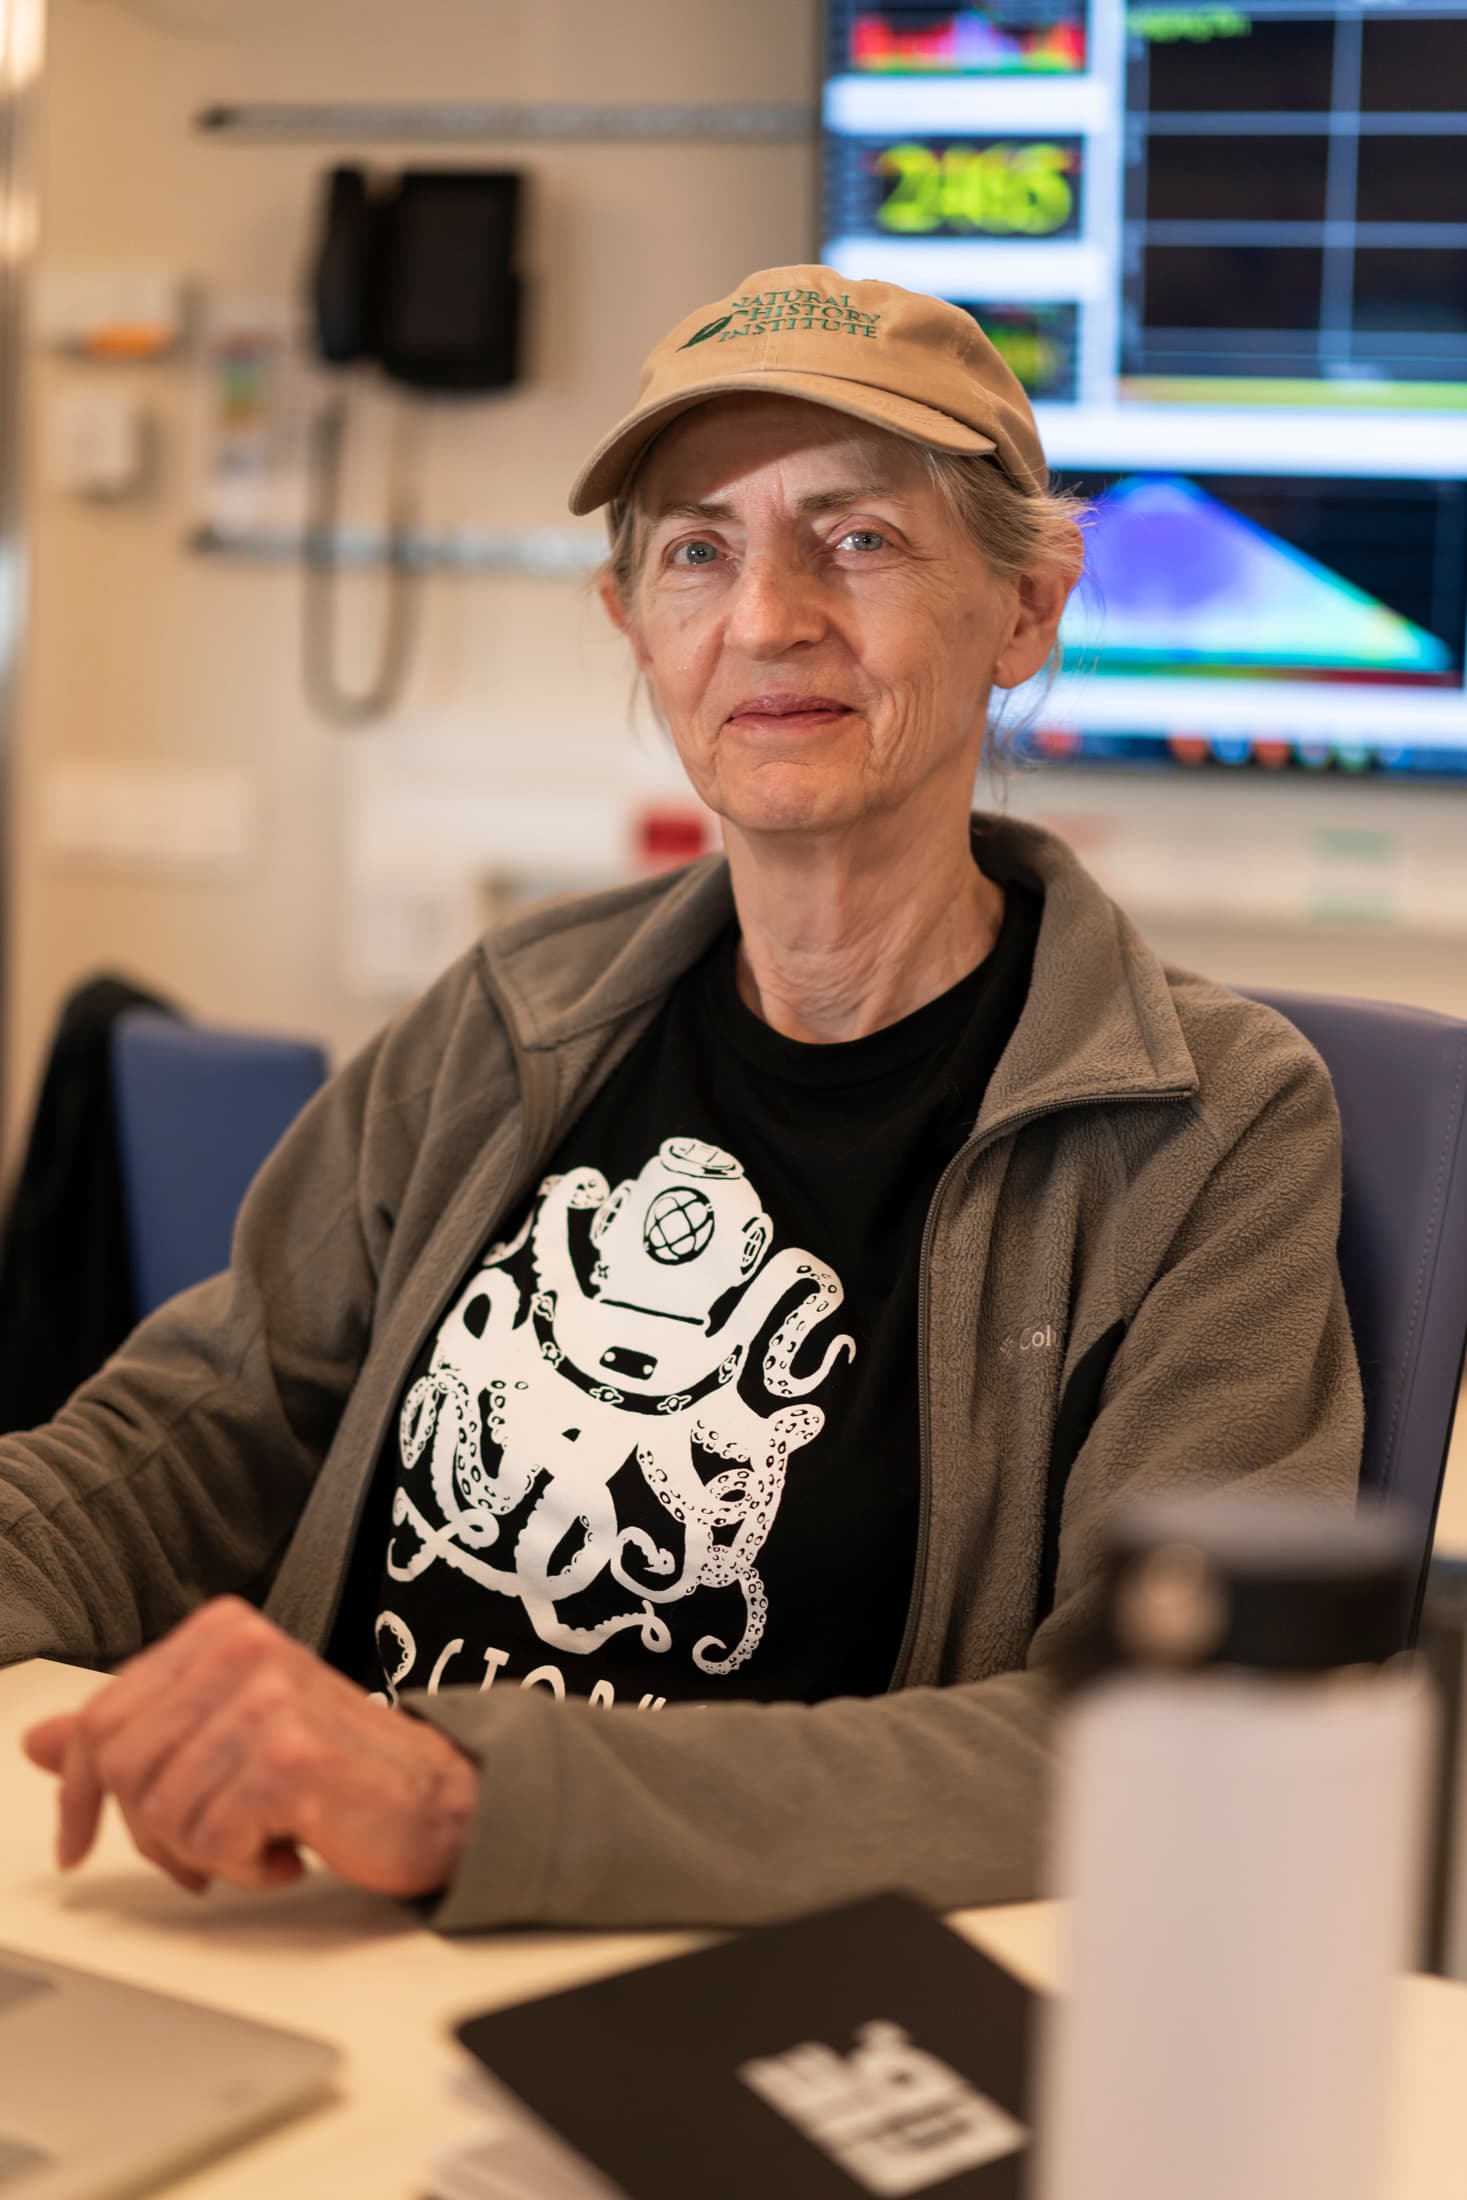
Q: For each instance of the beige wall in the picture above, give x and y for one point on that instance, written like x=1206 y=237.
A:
x=139 y=652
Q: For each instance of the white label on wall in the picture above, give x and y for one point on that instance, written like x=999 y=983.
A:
x=181 y=820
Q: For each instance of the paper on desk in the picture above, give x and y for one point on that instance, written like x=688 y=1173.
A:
x=514 y=2157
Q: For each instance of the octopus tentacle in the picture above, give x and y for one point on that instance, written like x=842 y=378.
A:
x=423 y=1407
x=823 y=1299
x=682 y=1500
x=655 y=1632
x=508 y=1247
x=821 y=1296
x=554 y=1268
x=450 y=1541
x=756 y=1612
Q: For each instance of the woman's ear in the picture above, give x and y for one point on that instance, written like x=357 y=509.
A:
x=611 y=603
x=1042 y=595
x=620 y=617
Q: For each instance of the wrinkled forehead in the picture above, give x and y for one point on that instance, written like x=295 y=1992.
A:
x=736 y=448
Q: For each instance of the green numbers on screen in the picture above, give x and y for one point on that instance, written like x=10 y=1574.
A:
x=1003 y=190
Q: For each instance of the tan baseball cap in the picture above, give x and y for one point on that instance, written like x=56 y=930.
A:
x=908 y=362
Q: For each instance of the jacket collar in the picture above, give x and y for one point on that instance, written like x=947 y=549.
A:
x=1099 y=1021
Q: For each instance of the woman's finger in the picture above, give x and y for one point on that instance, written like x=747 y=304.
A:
x=45 y=1742
x=81 y=1800
x=157 y=1852
x=204 y=1805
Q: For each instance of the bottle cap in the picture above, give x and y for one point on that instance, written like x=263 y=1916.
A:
x=1280 y=1585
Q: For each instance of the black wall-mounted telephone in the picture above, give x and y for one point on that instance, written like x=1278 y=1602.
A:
x=416 y=272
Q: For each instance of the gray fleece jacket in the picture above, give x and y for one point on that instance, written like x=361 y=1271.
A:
x=1128 y=1283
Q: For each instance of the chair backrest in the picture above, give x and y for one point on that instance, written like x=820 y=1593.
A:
x=197 y=1112
x=1400 y=1077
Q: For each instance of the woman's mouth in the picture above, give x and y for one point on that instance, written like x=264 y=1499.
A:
x=787 y=713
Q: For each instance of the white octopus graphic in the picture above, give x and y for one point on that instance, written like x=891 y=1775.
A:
x=569 y=1383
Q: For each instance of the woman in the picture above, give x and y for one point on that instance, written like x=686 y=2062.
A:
x=731 y=1304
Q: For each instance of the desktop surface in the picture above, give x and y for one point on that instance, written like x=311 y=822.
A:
x=364 y=1972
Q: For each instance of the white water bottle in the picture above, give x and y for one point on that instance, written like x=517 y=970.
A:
x=1240 y=1824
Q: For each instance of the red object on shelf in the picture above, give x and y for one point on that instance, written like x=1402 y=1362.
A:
x=665 y=835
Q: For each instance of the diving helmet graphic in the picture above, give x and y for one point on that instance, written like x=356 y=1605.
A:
x=670 y=1244
x=673 y=1240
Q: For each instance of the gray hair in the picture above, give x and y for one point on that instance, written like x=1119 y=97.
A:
x=1015 y=529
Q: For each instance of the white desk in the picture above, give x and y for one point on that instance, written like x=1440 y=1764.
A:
x=1451 y=1522
x=360 y=1971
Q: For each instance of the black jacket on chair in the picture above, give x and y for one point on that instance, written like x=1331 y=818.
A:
x=66 y=1296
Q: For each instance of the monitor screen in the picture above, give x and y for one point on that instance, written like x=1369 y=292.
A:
x=1225 y=251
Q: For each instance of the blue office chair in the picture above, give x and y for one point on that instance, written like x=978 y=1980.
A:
x=1400 y=1077
x=197 y=1112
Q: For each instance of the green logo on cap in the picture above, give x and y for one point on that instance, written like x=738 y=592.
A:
x=767 y=312
x=709 y=328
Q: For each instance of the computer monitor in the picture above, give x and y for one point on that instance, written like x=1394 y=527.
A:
x=1225 y=250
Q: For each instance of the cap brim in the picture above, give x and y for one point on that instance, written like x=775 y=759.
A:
x=613 y=458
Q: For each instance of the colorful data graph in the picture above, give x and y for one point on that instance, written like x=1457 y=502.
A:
x=966 y=42
x=1180 y=583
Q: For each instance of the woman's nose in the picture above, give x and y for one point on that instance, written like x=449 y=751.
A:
x=776 y=605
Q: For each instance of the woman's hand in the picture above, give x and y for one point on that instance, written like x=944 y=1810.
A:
x=229 y=1748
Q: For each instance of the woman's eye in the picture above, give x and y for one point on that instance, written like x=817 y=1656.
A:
x=695 y=553
x=864 y=538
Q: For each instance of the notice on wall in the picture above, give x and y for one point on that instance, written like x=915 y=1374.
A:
x=259 y=390
x=448 y=829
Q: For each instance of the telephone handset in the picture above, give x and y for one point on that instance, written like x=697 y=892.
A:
x=415 y=274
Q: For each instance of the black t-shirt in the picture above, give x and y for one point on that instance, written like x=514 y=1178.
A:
x=664 y=1443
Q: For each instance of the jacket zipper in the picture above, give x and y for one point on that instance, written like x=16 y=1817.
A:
x=967 y=1152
